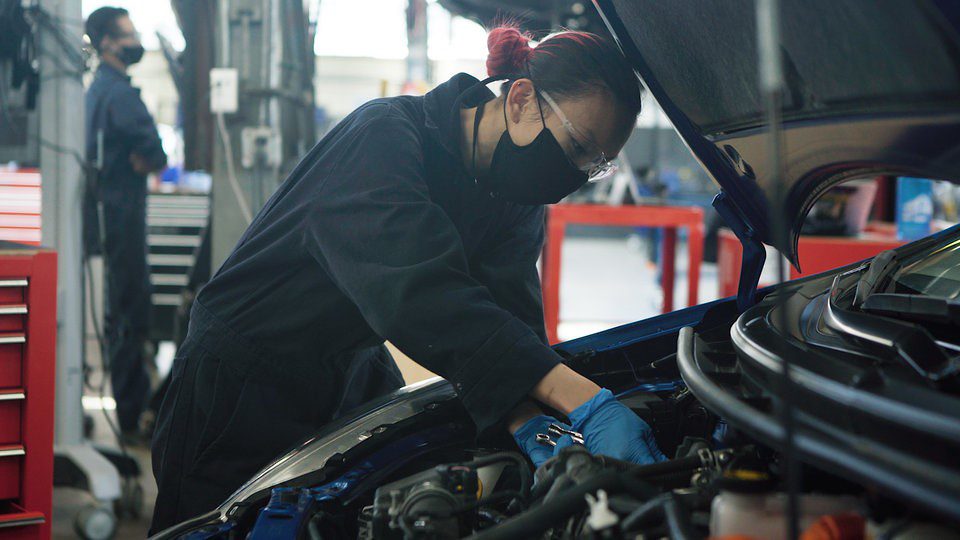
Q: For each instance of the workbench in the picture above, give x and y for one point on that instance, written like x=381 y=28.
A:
x=670 y=218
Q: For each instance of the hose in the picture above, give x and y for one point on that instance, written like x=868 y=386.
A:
x=533 y=522
x=684 y=464
x=625 y=478
x=522 y=469
x=669 y=509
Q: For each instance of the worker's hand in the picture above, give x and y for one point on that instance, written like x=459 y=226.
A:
x=611 y=429
x=140 y=165
x=526 y=437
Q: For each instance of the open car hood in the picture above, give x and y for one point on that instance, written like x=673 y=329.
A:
x=871 y=89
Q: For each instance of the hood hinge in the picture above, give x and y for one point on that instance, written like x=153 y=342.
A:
x=754 y=254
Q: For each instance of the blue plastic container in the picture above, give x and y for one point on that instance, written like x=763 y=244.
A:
x=914 y=208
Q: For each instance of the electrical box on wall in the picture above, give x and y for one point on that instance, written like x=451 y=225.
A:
x=259 y=144
x=224 y=90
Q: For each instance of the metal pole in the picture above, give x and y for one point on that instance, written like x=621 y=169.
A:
x=60 y=107
x=418 y=61
x=772 y=85
x=61 y=122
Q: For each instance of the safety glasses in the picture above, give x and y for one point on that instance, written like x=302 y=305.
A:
x=598 y=168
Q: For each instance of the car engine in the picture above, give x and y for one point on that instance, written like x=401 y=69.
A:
x=719 y=482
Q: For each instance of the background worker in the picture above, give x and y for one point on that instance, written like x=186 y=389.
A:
x=416 y=220
x=122 y=138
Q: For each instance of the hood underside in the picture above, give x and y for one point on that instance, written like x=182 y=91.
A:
x=870 y=90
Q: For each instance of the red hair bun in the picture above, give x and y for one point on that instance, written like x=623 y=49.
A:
x=510 y=51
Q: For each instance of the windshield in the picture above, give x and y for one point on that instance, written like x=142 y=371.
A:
x=933 y=274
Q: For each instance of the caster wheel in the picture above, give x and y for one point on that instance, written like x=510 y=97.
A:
x=130 y=503
x=95 y=523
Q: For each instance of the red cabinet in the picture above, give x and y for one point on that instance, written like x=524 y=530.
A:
x=28 y=335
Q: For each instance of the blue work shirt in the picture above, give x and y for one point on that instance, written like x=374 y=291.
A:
x=380 y=233
x=114 y=108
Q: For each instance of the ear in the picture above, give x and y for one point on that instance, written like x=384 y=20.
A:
x=520 y=98
x=106 y=44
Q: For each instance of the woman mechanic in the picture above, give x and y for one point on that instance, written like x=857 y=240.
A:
x=418 y=220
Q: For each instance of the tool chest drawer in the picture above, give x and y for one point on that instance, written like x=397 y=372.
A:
x=13 y=291
x=13 y=317
x=11 y=460
x=11 y=360
x=11 y=406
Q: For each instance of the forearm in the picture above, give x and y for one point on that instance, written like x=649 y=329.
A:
x=521 y=415
x=564 y=389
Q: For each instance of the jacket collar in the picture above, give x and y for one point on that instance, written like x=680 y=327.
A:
x=442 y=107
x=106 y=70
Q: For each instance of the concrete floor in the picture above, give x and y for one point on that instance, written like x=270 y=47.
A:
x=605 y=282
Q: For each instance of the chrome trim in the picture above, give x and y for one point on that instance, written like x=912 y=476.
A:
x=12 y=396
x=22 y=522
x=11 y=452
x=16 y=309
x=12 y=339
x=13 y=283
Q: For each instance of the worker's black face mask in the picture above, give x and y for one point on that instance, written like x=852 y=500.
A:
x=130 y=54
x=538 y=173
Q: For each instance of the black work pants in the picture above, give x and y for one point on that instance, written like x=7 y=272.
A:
x=127 y=303
x=230 y=410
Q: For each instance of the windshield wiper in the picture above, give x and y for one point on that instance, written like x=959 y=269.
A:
x=884 y=264
x=913 y=306
x=909 y=342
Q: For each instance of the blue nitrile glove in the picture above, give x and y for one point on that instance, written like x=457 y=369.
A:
x=611 y=429
x=526 y=438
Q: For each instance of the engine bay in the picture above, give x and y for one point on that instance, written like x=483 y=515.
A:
x=719 y=482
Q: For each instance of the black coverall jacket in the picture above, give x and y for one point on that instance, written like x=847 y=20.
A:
x=116 y=115
x=379 y=234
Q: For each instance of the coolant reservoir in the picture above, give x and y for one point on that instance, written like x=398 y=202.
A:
x=764 y=515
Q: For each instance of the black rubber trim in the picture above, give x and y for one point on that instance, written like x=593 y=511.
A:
x=819 y=451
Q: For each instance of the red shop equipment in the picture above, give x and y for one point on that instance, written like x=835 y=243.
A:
x=28 y=338
x=670 y=218
x=816 y=253
x=20 y=206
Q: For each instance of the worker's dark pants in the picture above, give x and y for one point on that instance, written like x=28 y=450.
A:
x=126 y=303
x=231 y=409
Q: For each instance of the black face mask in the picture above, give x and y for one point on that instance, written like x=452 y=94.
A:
x=538 y=173
x=130 y=54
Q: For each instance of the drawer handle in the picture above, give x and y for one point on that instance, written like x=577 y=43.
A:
x=13 y=283
x=22 y=522
x=13 y=310
x=10 y=339
x=12 y=396
x=11 y=451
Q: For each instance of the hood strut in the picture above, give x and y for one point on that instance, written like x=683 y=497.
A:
x=754 y=254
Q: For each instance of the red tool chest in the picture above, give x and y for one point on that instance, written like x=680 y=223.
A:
x=28 y=340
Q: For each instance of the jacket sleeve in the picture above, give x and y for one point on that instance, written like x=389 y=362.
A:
x=374 y=229
x=508 y=268
x=132 y=121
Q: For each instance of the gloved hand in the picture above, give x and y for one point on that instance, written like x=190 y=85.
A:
x=611 y=429
x=526 y=438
